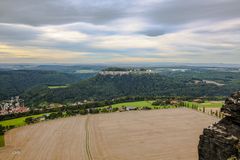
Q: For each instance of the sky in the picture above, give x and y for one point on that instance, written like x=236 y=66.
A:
x=120 y=31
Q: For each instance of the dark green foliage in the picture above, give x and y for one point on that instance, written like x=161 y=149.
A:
x=83 y=112
x=161 y=102
x=13 y=83
x=143 y=85
x=2 y=130
x=9 y=127
x=146 y=108
x=115 y=109
x=93 y=110
x=29 y=120
x=104 y=110
x=55 y=115
x=33 y=86
x=116 y=69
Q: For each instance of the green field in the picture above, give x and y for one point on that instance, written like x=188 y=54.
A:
x=2 y=143
x=208 y=104
x=138 y=104
x=57 y=87
x=18 y=121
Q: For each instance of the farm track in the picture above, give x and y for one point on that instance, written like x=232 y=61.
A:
x=88 y=151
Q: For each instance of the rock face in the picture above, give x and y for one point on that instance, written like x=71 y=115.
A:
x=221 y=141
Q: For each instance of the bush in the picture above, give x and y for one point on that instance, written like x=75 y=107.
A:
x=114 y=109
x=83 y=112
x=29 y=120
x=93 y=111
x=104 y=110
x=146 y=108
x=2 y=130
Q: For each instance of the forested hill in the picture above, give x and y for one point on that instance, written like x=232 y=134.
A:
x=102 y=87
x=15 y=82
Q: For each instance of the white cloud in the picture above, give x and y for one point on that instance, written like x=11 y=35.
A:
x=111 y=31
x=62 y=35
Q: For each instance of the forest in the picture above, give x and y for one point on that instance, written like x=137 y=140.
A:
x=109 y=87
x=33 y=85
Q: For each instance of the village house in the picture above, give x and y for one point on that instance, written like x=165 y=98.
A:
x=15 y=105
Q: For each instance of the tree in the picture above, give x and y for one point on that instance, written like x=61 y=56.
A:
x=204 y=110
x=2 y=130
x=29 y=120
x=83 y=112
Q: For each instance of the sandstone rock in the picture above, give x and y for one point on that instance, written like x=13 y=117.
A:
x=221 y=140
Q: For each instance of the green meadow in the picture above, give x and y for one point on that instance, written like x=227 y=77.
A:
x=138 y=104
x=2 y=143
x=207 y=104
x=18 y=121
x=57 y=87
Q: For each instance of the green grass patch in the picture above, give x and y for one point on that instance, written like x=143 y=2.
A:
x=212 y=104
x=18 y=121
x=2 y=142
x=139 y=104
x=58 y=87
x=207 y=104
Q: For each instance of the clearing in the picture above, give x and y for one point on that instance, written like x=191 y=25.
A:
x=58 y=87
x=167 y=134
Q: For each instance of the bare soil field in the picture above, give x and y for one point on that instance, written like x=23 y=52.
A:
x=170 y=134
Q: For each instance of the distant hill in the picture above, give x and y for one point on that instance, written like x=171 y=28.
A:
x=15 y=82
x=103 y=87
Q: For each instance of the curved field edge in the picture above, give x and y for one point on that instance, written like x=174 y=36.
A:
x=19 y=121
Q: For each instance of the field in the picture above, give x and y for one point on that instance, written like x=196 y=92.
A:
x=58 y=87
x=138 y=104
x=211 y=107
x=18 y=121
x=170 y=134
x=208 y=104
x=1 y=140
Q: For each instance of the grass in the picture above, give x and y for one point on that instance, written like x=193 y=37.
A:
x=212 y=104
x=18 y=121
x=57 y=87
x=208 y=104
x=138 y=104
x=2 y=143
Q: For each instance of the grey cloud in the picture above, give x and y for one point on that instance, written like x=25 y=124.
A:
x=175 y=12
x=16 y=33
x=60 y=11
x=97 y=18
x=157 y=30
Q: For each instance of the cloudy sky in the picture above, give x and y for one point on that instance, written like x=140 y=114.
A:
x=122 y=31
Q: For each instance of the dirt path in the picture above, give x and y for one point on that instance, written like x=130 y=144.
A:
x=88 y=151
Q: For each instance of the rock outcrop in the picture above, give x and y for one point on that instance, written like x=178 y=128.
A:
x=221 y=141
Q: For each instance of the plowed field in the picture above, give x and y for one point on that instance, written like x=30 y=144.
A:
x=170 y=134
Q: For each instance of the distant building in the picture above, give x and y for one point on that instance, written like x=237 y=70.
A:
x=14 y=105
x=131 y=108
